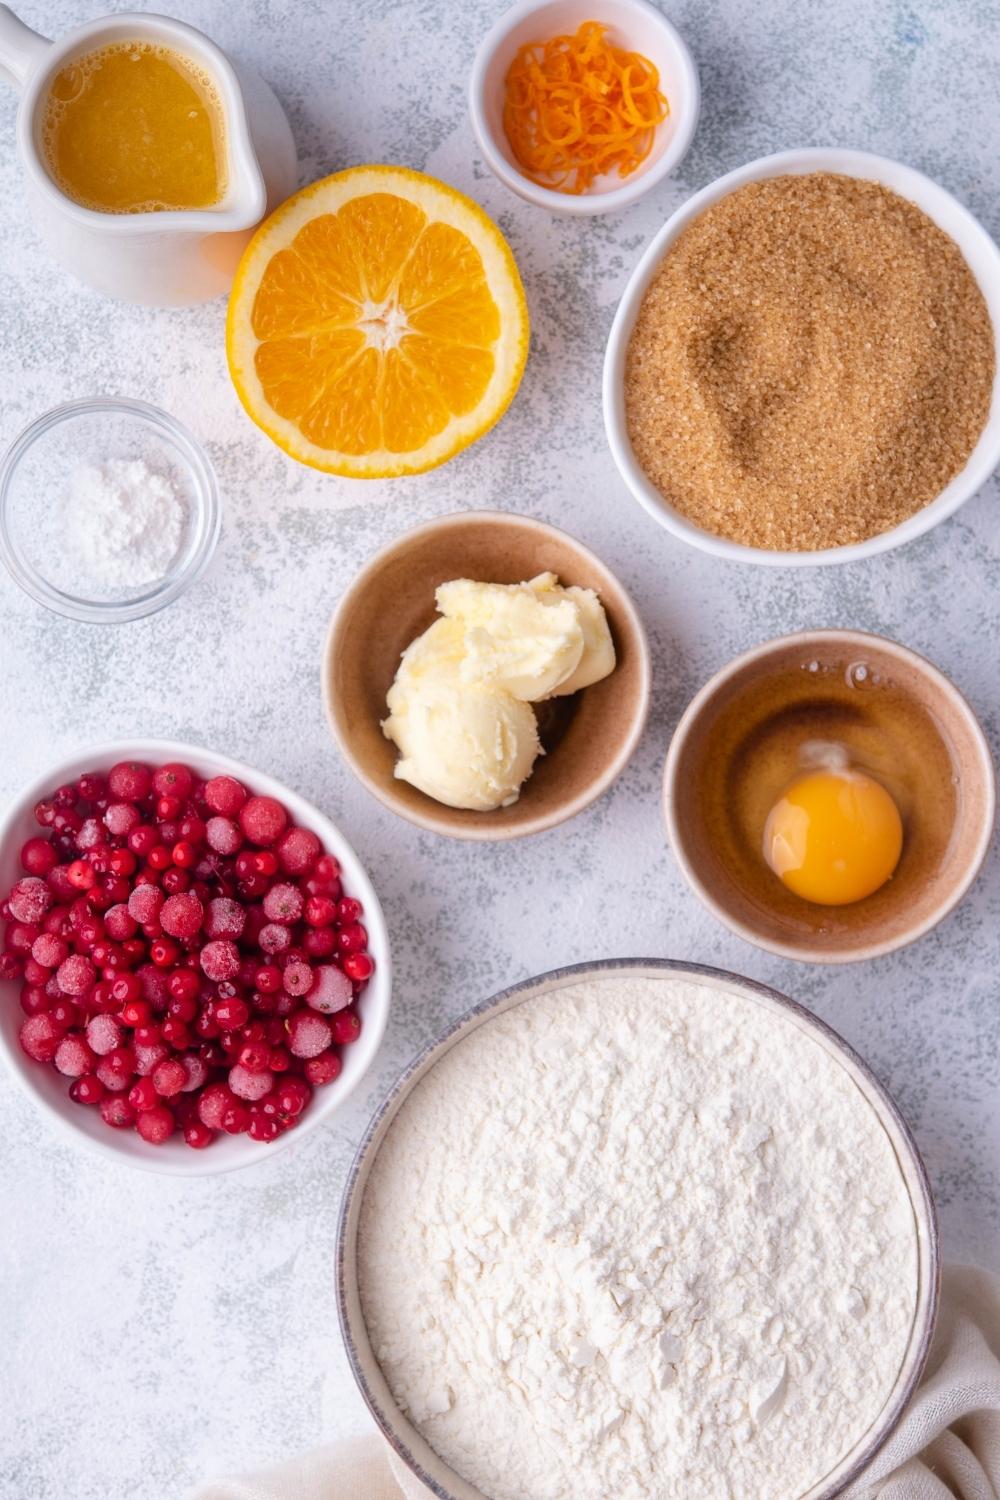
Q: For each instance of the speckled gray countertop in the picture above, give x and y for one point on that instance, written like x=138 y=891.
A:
x=158 y=1331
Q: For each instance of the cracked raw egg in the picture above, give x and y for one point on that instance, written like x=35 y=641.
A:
x=834 y=837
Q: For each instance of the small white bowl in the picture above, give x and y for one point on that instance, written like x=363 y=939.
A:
x=983 y=259
x=49 y=1090
x=632 y=23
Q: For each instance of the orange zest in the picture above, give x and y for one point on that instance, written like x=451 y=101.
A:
x=577 y=108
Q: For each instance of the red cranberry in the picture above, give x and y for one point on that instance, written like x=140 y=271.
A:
x=225 y=795
x=122 y=862
x=90 y=786
x=169 y=1077
x=184 y=854
x=11 y=966
x=283 y=903
x=292 y=1095
x=225 y=918
x=184 y=984
x=213 y=1103
x=231 y=1014
x=274 y=938
x=73 y=1057
x=155 y=1125
x=103 y=1034
x=64 y=1013
x=173 y=780
x=88 y=1089
x=348 y=911
x=145 y=902
x=58 y=882
x=197 y=1135
x=38 y=856
x=220 y=959
x=121 y=818
x=319 y=942
x=45 y=813
x=30 y=899
x=130 y=781
x=250 y=1085
x=352 y=939
x=320 y=911
x=281 y=1060
x=40 y=1036
x=182 y=915
x=176 y=1033
x=143 y=840
x=262 y=819
x=21 y=936
x=297 y=978
x=164 y=952
x=76 y=975
x=143 y=1094
x=298 y=850
x=236 y=1119
x=331 y=990
x=359 y=967
x=263 y=1129
x=308 y=1033
x=119 y=922
x=196 y=1071
x=324 y=1068
x=222 y=835
x=116 y=1112
x=192 y=829
x=90 y=837
x=346 y=1026
x=255 y=1056
x=49 y=951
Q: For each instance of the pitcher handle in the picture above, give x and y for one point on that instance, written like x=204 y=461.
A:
x=21 y=49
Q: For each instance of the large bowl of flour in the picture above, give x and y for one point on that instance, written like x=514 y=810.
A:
x=637 y=1228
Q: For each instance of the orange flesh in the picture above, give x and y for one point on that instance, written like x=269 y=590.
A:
x=376 y=327
x=577 y=107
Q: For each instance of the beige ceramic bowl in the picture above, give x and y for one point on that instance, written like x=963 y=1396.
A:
x=409 y=1445
x=901 y=911
x=588 y=737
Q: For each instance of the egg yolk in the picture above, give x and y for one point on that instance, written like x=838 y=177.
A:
x=834 y=837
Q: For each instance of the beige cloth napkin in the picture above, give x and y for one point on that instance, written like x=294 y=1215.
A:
x=947 y=1445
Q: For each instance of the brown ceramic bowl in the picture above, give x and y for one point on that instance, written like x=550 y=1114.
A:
x=588 y=737
x=930 y=879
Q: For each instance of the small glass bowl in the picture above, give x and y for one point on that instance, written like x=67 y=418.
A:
x=36 y=477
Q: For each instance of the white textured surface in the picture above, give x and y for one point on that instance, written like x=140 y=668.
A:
x=157 y=1331
x=562 y=1323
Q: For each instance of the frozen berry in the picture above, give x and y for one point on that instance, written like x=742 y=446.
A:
x=308 y=1033
x=103 y=1034
x=169 y=1077
x=197 y=1135
x=331 y=990
x=130 y=781
x=298 y=850
x=29 y=899
x=224 y=918
x=87 y=1089
x=263 y=820
x=283 y=903
x=76 y=975
x=274 y=938
x=117 y=1112
x=346 y=1026
x=248 y=1085
x=73 y=1057
x=324 y=1068
x=155 y=1125
x=143 y=1094
x=144 y=903
x=222 y=835
x=40 y=1036
x=181 y=916
x=292 y=1095
x=220 y=959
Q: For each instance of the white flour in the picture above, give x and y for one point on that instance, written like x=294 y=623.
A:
x=638 y=1238
x=120 y=527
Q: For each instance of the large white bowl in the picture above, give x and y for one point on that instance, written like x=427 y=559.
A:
x=635 y=24
x=983 y=259
x=408 y=1443
x=49 y=1090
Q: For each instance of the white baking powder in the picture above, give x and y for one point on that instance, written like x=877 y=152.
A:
x=120 y=526
x=639 y=1238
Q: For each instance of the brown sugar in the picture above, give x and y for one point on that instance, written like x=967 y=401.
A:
x=812 y=364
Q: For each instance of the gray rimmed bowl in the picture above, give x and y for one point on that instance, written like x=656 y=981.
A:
x=407 y=1443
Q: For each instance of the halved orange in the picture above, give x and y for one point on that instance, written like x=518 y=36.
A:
x=377 y=323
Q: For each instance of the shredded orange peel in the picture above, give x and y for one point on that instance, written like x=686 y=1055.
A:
x=577 y=108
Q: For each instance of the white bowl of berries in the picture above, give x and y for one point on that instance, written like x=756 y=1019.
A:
x=194 y=960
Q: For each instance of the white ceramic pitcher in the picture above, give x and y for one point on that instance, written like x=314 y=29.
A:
x=165 y=258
